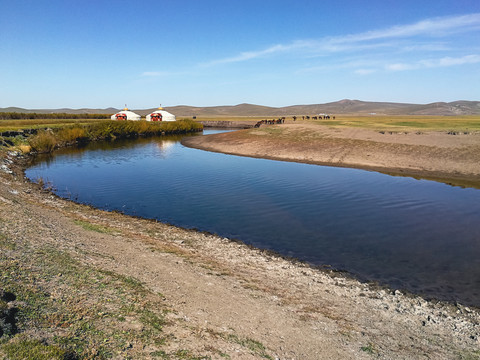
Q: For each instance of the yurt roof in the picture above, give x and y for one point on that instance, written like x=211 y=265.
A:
x=161 y=111
x=127 y=112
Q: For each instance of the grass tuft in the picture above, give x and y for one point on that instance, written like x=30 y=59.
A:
x=45 y=142
x=369 y=349
x=34 y=350
x=255 y=346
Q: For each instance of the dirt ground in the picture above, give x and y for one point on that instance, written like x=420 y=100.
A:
x=227 y=300
x=449 y=157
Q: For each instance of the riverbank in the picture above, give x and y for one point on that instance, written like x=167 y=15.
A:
x=102 y=284
x=452 y=157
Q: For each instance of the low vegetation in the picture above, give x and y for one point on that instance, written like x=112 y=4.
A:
x=406 y=122
x=46 y=141
x=23 y=116
x=18 y=125
x=67 y=310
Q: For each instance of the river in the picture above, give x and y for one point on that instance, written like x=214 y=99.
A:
x=411 y=234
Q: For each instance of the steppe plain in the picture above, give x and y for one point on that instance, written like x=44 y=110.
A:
x=104 y=285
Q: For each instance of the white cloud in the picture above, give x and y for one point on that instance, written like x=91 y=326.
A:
x=248 y=55
x=434 y=63
x=440 y=26
x=364 y=71
x=401 y=67
x=449 y=61
x=435 y=26
x=431 y=47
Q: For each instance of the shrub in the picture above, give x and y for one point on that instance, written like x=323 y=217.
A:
x=71 y=135
x=43 y=141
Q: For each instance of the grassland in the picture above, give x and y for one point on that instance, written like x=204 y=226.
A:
x=378 y=122
x=95 y=285
x=406 y=123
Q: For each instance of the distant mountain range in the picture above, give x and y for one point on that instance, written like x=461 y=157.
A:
x=339 y=107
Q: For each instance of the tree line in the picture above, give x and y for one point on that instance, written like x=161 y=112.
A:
x=27 y=116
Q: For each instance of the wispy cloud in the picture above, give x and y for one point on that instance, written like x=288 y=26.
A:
x=374 y=48
x=440 y=27
x=431 y=47
x=434 y=63
x=365 y=71
x=248 y=55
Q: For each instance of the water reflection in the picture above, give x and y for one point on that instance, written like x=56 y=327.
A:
x=414 y=234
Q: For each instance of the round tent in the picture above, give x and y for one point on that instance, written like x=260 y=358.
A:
x=125 y=114
x=161 y=115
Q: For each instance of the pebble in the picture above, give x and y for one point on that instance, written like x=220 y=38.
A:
x=5 y=168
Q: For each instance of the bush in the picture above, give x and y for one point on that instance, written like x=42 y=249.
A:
x=43 y=142
x=70 y=135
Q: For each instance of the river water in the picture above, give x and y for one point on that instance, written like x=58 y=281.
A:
x=418 y=235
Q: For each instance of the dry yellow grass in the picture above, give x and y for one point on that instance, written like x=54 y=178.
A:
x=377 y=122
x=406 y=122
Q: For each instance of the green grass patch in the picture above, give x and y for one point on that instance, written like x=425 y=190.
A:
x=152 y=319
x=253 y=345
x=6 y=243
x=369 y=349
x=93 y=227
x=470 y=355
x=22 y=349
x=188 y=355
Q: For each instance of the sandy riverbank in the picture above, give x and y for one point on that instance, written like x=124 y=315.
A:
x=431 y=155
x=224 y=299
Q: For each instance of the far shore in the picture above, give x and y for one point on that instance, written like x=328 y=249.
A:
x=433 y=155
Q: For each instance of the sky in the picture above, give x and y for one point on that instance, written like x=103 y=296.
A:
x=99 y=54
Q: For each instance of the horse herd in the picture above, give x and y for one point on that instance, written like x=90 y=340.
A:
x=317 y=117
x=282 y=119
x=270 y=122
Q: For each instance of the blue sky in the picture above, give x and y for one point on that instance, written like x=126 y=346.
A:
x=95 y=53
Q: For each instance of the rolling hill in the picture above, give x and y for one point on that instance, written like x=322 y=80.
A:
x=345 y=106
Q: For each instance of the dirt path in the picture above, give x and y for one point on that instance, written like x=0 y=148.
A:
x=431 y=155
x=227 y=300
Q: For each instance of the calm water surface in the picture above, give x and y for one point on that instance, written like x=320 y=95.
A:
x=410 y=234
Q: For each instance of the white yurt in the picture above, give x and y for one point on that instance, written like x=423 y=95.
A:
x=125 y=114
x=161 y=115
